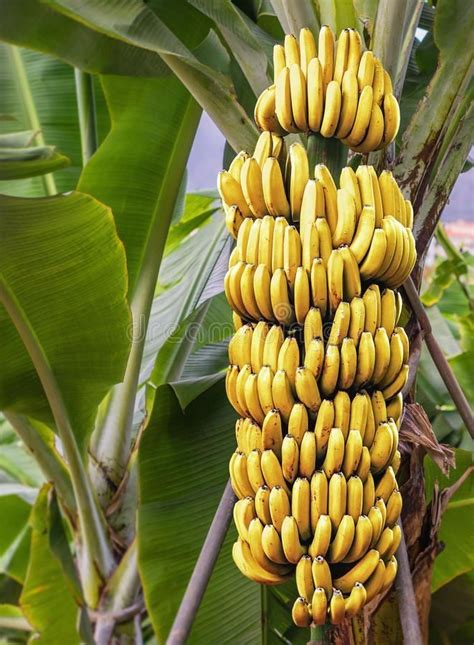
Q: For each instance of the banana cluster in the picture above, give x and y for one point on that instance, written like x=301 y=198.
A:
x=333 y=88
x=299 y=233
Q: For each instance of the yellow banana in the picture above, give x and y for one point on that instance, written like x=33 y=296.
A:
x=312 y=205
x=401 y=333
x=255 y=532
x=236 y=164
x=349 y=102
x=322 y=577
x=234 y=257
x=325 y=239
x=348 y=366
x=369 y=494
x=337 y=498
x=373 y=261
x=290 y=455
x=386 y=485
x=271 y=470
x=330 y=372
x=348 y=181
x=322 y=174
x=299 y=106
x=381 y=448
x=387 y=190
x=231 y=388
x=265 y=112
x=332 y=109
x=382 y=355
x=362 y=540
x=272 y=546
x=372 y=313
x=394 y=508
x=342 y=412
x=374 y=134
x=347 y=218
x=301 y=295
x=365 y=73
x=365 y=359
x=360 y=572
x=310 y=248
x=247 y=292
x=394 y=236
x=370 y=426
x=231 y=193
x=377 y=197
x=340 y=324
x=271 y=350
x=263 y=148
x=292 y=50
x=390 y=573
x=319 y=606
x=355 y=490
x=409 y=213
x=278 y=243
x=265 y=242
x=352 y=453
x=314 y=356
x=355 y=46
x=289 y=358
x=342 y=55
x=391 y=115
x=322 y=536
x=398 y=384
x=342 y=541
x=362 y=119
x=304 y=578
x=262 y=505
x=326 y=47
x=385 y=542
x=307 y=463
x=244 y=513
x=292 y=547
x=298 y=422
x=307 y=389
x=396 y=539
x=378 y=82
x=313 y=326
x=323 y=427
x=337 y=608
x=308 y=51
x=375 y=582
x=243 y=237
x=281 y=305
x=279 y=506
x=300 y=507
x=335 y=271
x=282 y=394
x=248 y=566
x=301 y=613
x=319 y=500
x=233 y=278
x=238 y=473
x=291 y=254
x=357 y=324
x=252 y=400
x=395 y=408
x=319 y=287
x=298 y=177
x=363 y=469
x=315 y=90
x=259 y=335
x=274 y=189
x=283 y=109
x=396 y=462
x=240 y=347
x=356 y=600
x=251 y=182
x=272 y=434
x=254 y=470
x=389 y=310
x=233 y=220
x=262 y=291
x=358 y=419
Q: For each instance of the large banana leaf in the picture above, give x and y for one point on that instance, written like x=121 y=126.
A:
x=204 y=71
x=183 y=471
x=63 y=267
x=72 y=42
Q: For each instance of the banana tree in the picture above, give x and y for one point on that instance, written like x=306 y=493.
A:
x=108 y=268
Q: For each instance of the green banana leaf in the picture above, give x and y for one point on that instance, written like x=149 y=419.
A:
x=46 y=244
x=16 y=464
x=183 y=471
x=73 y=42
x=452 y=612
x=456 y=525
x=46 y=599
x=204 y=72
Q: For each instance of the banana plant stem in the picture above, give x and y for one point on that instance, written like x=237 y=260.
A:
x=406 y=596
x=31 y=114
x=439 y=358
x=319 y=635
x=202 y=570
x=97 y=560
x=87 y=114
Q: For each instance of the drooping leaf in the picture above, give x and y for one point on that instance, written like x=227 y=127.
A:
x=62 y=262
x=183 y=471
x=457 y=522
x=46 y=599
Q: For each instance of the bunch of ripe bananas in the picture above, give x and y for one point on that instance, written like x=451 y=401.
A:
x=318 y=360
x=333 y=88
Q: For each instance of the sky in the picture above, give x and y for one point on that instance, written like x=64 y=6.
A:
x=206 y=156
